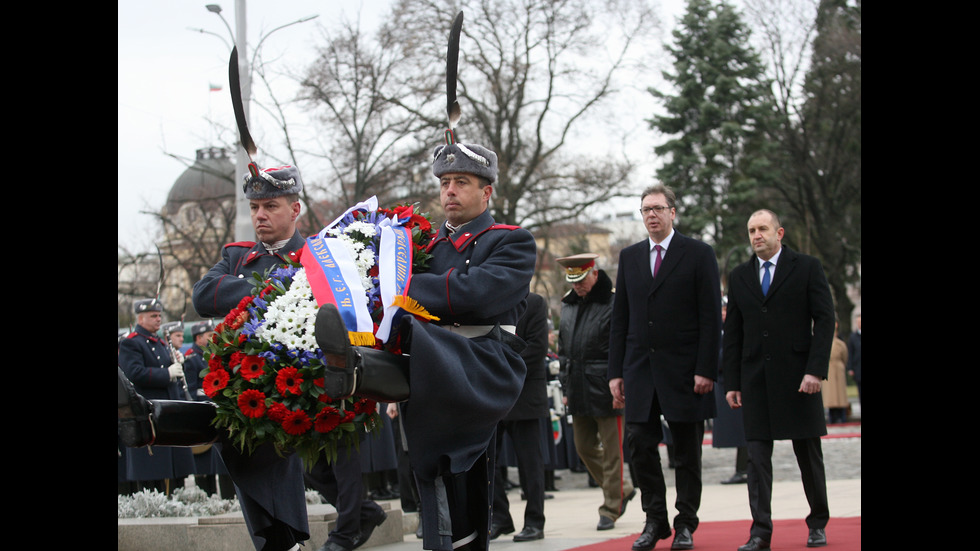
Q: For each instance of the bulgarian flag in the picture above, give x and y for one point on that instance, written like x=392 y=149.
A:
x=215 y=88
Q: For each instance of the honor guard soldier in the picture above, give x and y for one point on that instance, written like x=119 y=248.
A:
x=174 y=333
x=465 y=371
x=194 y=362
x=274 y=203
x=146 y=361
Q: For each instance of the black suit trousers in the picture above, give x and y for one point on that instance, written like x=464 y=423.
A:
x=526 y=435
x=809 y=457
x=644 y=441
x=341 y=484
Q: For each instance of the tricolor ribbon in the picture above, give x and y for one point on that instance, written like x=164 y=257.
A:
x=395 y=274
x=333 y=279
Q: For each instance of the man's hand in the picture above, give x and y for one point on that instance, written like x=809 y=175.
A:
x=616 y=387
x=734 y=399
x=810 y=385
x=703 y=385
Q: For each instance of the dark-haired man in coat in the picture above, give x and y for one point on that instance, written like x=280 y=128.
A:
x=663 y=360
x=778 y=334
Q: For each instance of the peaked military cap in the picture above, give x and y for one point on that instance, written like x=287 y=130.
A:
x=273 y=182
x=172 y=327
x=201 y=328
x=147 y=305
x=468 y=158
x=577 y=266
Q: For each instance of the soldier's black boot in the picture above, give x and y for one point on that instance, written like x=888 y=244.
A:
x=135 y=429
x=366 y=372
x=162 y=422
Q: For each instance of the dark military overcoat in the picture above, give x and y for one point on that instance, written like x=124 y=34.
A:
x=462 y=387
x=144 y=357
x=264 y=504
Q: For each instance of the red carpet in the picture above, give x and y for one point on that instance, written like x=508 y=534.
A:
x=843 y=534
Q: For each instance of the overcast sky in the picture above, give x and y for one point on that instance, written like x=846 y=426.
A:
x=165 y=71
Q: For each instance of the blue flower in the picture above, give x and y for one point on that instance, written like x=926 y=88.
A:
x=252 y=325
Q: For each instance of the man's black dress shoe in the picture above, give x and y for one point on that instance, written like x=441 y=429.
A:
x=367 y=528
x=605 y=523
x=652 y=532
x=622 y=505
x=682 y=539
x=755 y=543
x=332 y=546
x=529 y=533
x=737 y=478
x=496 y=531
x=817 y=538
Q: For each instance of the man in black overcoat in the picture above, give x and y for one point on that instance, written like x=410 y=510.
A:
x=523 y=424
x=663 y=360
x=778 y=334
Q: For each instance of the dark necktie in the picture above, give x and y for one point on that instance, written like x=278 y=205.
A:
x=656 y=263
x=765 y=278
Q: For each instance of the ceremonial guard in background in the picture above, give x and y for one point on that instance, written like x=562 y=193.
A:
x=211 y=475
x=194 y=361
x=145 y=359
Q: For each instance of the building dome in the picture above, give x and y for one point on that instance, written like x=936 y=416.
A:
x=208 y=182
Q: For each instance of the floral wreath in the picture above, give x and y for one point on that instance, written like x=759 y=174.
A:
x=264 y=368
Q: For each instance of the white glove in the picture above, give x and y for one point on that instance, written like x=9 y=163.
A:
x=176 y=371
x=178 y=357
x=554 y=366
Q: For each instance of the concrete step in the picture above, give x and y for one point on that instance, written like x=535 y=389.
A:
x=228 y=532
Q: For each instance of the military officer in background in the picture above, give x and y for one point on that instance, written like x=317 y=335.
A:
x=211 y=474
x=194 y=362
x=145 y=359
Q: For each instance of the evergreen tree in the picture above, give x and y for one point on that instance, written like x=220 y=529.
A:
x=715 y=158
x=820 y=154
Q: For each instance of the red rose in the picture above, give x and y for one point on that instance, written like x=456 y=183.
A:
x=214 y=362
x=235 y=359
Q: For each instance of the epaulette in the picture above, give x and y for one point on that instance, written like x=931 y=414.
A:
x=245 y=244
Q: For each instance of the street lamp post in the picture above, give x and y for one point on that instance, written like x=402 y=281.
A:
x=243 y=219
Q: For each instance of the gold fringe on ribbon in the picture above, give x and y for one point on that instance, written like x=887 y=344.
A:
x=412 y=307
x=361 y=338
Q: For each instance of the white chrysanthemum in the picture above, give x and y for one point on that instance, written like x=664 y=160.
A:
x=363 y=228
x=289 y=319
